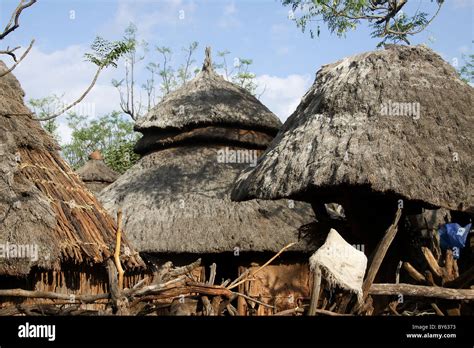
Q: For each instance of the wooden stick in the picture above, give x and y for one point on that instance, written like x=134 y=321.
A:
x=208 y=310
x=231 y=309
x=117 y=250
x=212 y=275
x=254 y=300
x=437 y=310
x=52 y=295
x=290 y=311
x=316 y=289
x=179 y=271
x=333 y=314
x=463 y=280
x=154 y=288
x=421 y=291
x=262 y=267
x=432 y=263
x=449 y=266
x=412 y=272
x=380 y=253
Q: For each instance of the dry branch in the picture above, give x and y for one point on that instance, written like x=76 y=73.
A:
x=421 y=291
x=380 y=252
x=117 y=250
x=412 y=272
x=52 y=295
x=262 y=267
x=14 y=22
x=9 y=70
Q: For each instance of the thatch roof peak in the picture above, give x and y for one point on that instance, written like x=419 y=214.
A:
x=397 y=120
x=96 y=156
x=209 y=100
x=207 y=65
x=96 y=170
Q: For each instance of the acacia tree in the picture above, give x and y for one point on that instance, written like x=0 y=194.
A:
x=43 y=107
x=386 y=17
x=240 y=73
x=467 y=70
x=111 y=134
x=129 y=104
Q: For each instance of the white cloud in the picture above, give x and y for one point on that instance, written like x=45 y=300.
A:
x=148 y=15
x=230 y=8
x=66 y=74
x=283 y=94
x=228 y=18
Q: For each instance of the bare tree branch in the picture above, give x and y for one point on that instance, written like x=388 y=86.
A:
x=59 y=113
x=14 y=22
x=19 y=61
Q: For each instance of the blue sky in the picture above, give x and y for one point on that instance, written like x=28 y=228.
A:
x=285 y=59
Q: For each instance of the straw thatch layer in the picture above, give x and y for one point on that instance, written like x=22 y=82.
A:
x=358 y=125
x=177 y=200
x=209 y=99
x=43 y=204
x=96 y=174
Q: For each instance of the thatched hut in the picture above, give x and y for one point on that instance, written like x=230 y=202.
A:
x=54 y=235
x=96 y=174
x=373 y=129
x=176 y=199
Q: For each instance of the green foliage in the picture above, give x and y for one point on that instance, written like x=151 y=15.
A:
x=385 y=17
x=43 y=107
x=240 y=74
x=111 y=134
x=106 y=53
x=467 y=70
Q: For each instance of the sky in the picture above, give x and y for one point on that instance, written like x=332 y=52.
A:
x=285 y=60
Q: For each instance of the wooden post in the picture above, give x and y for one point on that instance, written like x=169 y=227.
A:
x=422 y=291
x=316 y=289
x=380 y=252
x=117 y=250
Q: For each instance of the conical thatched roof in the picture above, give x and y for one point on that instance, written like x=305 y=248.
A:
x=358 y=125
x=43 y=204
x=96 y=174
x=210 y=100
x=176 y=199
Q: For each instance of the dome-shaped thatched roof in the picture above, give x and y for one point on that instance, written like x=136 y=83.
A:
x=96 y=174
x=176 y=199
x=43 y=204
x=398 y=120
x=210 y=99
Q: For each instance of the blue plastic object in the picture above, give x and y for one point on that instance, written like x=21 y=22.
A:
x=453 y=236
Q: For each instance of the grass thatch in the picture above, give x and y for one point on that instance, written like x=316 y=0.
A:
x=42 y=201
x=210 y=100
x=177 y=201
x=96 y=174
x=339 y=136
x=176 y=198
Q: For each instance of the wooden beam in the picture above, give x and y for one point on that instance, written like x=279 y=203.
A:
x=380 y=253
x=421 y=291
x=412 y=272
x=52 y=295
x=316 y=289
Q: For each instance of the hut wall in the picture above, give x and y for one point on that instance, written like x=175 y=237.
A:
x=284 y=286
